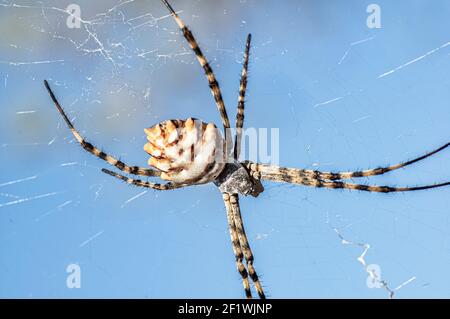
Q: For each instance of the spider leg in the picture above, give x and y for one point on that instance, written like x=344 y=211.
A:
x=138 y=182
x=294 y=173
x=241 y=100
x=234 y=199
x=135 y=170
x=236 y=246
x=368 y=188
x=317 y=182
x=213 y=84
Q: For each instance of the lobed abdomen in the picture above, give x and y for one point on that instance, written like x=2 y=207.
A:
x=186 y=151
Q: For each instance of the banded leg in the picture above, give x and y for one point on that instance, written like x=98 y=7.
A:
x=236 y=246
x=241 y=100
x=135 y=170
x=213 y=84
x=138 y=182
x=295 y=173
x=234 y=199
x=368 y=188
x=307 y=181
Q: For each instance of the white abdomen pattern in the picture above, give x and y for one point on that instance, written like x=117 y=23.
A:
x=186 y=151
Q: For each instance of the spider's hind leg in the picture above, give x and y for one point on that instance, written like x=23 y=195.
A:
x=135 y=170
x=140 y=183
x=213 y=84
x=241 y=100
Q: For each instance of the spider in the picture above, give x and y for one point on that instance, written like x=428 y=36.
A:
x=190 y=152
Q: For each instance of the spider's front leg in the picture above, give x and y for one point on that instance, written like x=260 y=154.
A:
x=304 y=177
x=243 y=240
x=291 y=175
x=235 y=179
x=241 y=246
x=236 y=246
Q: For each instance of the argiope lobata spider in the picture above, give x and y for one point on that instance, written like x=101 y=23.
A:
x=190 y=152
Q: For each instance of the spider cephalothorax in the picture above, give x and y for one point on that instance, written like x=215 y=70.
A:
x=236 y=179
x=192 y=152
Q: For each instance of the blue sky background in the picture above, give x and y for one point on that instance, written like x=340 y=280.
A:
x=314 y=74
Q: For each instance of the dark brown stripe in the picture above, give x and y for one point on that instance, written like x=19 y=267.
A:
x=242 y=271
x=87 y=146
x=192 y=153
x=102 y=155
x=120 y=165
x=253 y=276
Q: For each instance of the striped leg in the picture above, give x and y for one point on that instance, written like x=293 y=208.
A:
x=136 y=170
x=236 y=246
x=138 y=182
x=315 y=182
x=234 y=199
x=367 y=188
x=213 y=84
x=294 y=173
x=241 y=100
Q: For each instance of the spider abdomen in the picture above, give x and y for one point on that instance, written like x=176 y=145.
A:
x=186 y=151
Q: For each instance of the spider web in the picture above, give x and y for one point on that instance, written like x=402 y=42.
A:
x=343 y=96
